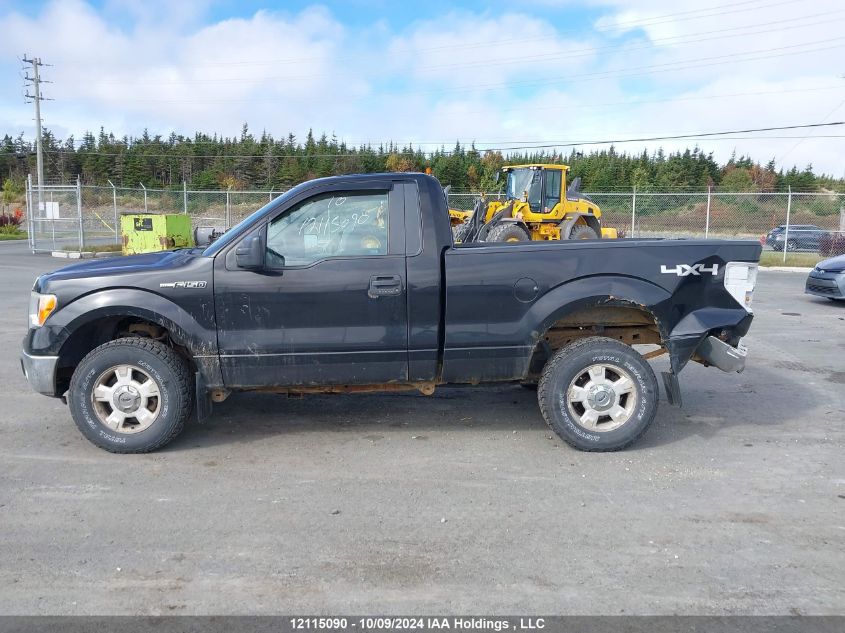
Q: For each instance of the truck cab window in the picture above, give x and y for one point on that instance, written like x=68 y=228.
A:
x=552 y=196
x=525 y=184
x=338 y=224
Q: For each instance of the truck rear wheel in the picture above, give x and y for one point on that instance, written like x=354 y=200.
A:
x=508 y=232
x=131 y=395
x=598 y=394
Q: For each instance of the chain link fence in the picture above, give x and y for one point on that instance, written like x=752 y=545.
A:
x=82 y=217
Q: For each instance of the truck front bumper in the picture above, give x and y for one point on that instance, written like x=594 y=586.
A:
x=719 y=354
x=40 y=371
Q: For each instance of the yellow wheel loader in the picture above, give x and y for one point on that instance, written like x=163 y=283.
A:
x=538 y=206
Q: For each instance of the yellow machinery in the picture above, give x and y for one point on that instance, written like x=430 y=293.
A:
x=538 y=206
x=147 y=233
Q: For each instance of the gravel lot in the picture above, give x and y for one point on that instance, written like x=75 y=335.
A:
x=460 y=502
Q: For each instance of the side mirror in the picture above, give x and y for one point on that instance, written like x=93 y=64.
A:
x=250 y=253
x=498 y=173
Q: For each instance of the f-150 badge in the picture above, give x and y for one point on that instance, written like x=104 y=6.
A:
x=684 y=270
x=183 y=284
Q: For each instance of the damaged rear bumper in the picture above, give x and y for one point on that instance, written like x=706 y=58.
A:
x=719 y=354
x=694 y=341
x=711 y=351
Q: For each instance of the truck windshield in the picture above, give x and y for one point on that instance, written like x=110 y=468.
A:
x=522 y=180
x=218 y=245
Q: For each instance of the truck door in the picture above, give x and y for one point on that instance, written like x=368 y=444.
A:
x=328 y=306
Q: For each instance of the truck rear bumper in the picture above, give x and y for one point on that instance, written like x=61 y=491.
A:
x=40 y=371
x=719 y=354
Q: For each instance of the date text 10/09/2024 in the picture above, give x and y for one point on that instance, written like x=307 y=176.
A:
x=417 y=623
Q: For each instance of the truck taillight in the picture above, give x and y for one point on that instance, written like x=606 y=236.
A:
x=740 y=279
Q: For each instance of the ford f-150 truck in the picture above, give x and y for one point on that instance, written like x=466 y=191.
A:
x=353 y=283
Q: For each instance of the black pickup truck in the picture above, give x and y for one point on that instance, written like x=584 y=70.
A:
x=353 y=283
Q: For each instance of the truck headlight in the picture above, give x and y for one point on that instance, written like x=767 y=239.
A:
x=740 y=279
x=40 y=307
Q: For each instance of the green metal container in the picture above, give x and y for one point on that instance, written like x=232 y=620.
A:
x=150 y=232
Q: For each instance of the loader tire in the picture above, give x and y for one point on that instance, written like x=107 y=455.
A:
x=582 y=232
x=507 y=232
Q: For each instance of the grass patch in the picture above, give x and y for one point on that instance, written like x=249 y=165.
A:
x=12 y=236
x=804 y=260
x=96 y=248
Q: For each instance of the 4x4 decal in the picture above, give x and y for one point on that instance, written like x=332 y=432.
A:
x=684 y=270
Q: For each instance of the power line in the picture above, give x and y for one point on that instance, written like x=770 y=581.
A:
x=526 y=146
x=593 y=105
x=804 y=138
x=635 y=102
x=677 y=137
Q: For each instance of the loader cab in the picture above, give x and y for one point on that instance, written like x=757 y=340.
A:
x=539 y=185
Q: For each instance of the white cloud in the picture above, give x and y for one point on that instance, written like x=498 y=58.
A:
x=501 y=77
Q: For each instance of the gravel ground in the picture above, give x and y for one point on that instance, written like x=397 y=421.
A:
x=459 y=502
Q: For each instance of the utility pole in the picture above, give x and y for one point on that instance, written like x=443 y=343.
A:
x=35 y=80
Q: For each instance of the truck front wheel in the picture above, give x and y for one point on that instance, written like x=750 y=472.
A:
x=598 y=394
x=131 y=395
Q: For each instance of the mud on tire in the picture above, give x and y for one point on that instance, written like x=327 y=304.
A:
x=601 y=378
x=152 y=360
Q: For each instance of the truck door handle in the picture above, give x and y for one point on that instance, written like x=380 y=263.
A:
x=384 y=286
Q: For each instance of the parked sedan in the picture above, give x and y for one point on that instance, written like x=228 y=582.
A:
x=802 y=237
x=827 y=279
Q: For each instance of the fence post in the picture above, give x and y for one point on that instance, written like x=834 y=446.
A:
x=114 y=205
x=786 y=232
x=52 y=219
x=707 y=221
x=185 y=196
x=842 y=218
x=228 y=219
x=271 y=194
x=29 y=221
x=145 y=196
x=79 y=211
x=633 y=211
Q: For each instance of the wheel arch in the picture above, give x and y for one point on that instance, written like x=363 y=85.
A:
x=593 y=222
x=626 y=309
x=106 y=315
x=575 y=219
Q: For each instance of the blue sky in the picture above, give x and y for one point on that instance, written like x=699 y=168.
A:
x=537 y=71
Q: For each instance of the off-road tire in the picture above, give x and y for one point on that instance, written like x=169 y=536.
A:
x=163 y=364
x=582 y=232
x=572 y=360
x=508 y=232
